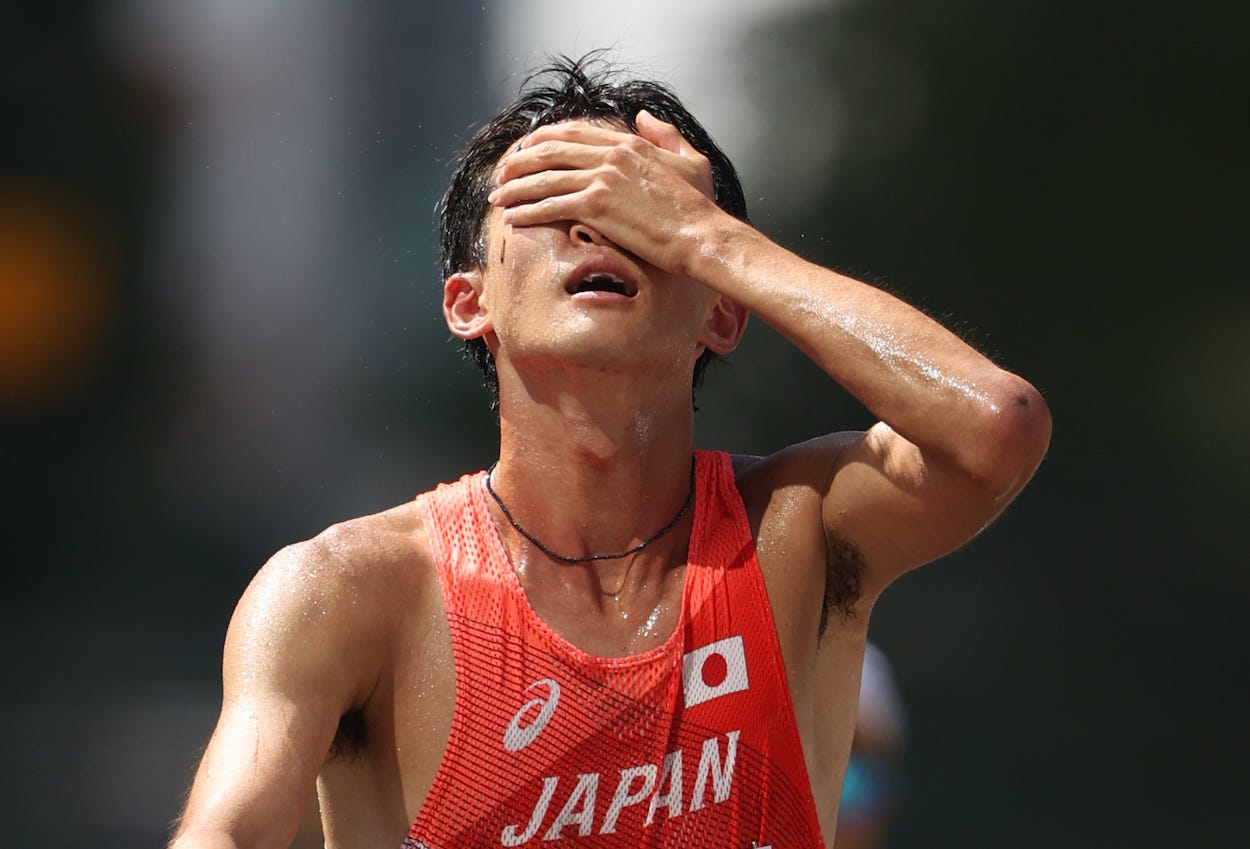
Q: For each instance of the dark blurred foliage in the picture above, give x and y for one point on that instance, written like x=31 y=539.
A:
x=76 y=167
x=1063 y=182
x=122 y=564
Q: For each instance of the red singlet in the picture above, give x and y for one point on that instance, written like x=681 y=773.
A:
x=690 y=745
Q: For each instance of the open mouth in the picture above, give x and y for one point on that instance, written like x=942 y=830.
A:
x=602 y=282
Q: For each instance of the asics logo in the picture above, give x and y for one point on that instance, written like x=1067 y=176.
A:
x=517 y=736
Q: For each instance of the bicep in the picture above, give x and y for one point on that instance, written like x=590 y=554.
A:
x=292 y=667
x=898 y=507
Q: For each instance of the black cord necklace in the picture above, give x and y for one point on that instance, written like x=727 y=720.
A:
x=565 y=558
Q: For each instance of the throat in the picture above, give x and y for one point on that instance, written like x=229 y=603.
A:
x=591 y=558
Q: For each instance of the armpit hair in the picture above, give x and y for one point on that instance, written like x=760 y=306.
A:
x=844 y=570
x=351 y=737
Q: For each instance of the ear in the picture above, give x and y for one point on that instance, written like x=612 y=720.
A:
x=464 y=308
x=725 y=324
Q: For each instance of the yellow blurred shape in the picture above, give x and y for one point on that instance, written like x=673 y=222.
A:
x=54 y=298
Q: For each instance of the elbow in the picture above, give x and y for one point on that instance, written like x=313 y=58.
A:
x=1013 y=437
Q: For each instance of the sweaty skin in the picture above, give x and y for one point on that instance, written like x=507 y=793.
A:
x=596 y=433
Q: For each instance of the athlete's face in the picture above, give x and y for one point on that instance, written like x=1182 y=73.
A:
x=564 y=289
x=563 y=293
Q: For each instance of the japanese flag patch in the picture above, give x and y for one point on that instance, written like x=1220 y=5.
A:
x=714 y=670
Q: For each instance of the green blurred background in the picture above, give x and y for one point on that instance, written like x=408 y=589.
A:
x=219 y=333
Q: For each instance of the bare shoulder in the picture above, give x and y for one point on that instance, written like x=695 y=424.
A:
x=808 y=465
x=357 y=559
x=372 y=552
x=330 y=602
x=783 y=492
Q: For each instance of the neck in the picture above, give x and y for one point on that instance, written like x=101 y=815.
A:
x=592 y=558
x=596 y=472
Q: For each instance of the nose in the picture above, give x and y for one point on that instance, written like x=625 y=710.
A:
x=579 y=232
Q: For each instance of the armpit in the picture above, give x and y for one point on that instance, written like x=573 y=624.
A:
x=351 y=736
x=844 y=570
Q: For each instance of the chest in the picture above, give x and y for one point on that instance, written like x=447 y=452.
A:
x=557 y=743
x=638 y=620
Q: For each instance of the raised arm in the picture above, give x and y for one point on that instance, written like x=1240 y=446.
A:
x=958 y=436
x=296 y=659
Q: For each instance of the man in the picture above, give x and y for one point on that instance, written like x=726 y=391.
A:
x=609 y=637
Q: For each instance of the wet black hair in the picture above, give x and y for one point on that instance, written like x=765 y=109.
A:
x=566 y=89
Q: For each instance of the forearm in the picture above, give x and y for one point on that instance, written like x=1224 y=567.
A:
x=922 y=380
x=238 y=823
x=232 y=817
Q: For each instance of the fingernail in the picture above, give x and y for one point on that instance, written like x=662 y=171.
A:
x=490 y=198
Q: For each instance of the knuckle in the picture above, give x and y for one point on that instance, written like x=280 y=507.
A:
x=618 y=156
x=597 y=196
x=610 y=178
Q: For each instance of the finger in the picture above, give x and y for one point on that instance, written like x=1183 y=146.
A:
x=546 y=210
x=543 y=184
x=582 y=132
x=668 y=138
x=661 y=133
x=548 y=155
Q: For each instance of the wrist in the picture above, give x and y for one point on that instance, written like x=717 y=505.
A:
x=726 y=256
x=710 y=248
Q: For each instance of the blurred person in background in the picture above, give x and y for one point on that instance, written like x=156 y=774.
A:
x=609 y=636
x=870 y=791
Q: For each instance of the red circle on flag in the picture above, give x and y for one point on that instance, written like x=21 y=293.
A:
x=714 y=671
